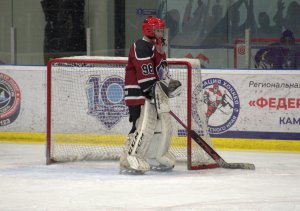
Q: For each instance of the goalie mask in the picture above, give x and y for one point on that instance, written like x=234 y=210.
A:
x=150 y=24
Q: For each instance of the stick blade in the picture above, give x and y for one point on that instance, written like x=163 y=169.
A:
x=248 y=166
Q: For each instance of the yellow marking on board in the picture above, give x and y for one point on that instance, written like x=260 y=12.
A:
x=257 y=144
x=179 y=142
x=81 y=139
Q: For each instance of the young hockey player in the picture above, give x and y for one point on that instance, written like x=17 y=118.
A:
x=148 y=142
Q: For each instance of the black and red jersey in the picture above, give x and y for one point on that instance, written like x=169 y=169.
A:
x=141 y=71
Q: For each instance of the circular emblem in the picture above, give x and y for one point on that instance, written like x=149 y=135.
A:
x=112 y=91
x=241 y=50
x=219 y=105
x=106 y=100
x=10 y=100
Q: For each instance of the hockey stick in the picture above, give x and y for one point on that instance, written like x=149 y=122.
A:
x=212 y=153
x=224 y=112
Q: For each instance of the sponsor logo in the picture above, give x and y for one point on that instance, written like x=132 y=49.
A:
x=106 y=100
x=220 y=102
x=10 y=100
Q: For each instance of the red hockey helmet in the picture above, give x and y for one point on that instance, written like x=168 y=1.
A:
x=151 y=23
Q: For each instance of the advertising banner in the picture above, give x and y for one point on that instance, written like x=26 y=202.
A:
x=22 y=99
x=239 y=103
x=253 y=104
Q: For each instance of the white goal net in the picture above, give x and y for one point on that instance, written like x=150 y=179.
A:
x=88 y=120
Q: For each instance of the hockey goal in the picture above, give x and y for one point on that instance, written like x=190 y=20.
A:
x=88 y=120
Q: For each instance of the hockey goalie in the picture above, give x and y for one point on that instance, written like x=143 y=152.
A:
x=148 y=87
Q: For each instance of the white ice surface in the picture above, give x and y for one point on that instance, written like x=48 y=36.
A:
x=26 y=183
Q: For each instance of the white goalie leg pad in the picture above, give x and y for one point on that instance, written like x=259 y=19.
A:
x=163 y=155
x=158 y=154
x=137 y=163
x=131 y=164
x=154 y=145
x=140 y=141
x=124 y=164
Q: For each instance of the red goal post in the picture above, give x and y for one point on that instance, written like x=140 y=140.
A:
x=88 y=120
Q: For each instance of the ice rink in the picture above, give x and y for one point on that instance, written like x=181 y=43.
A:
x=26 y=183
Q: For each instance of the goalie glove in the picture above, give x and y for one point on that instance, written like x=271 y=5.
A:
x=161 y=93
x=175 y=88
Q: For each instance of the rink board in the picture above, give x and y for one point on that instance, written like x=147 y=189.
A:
x=177 y=142
x=264 y=113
